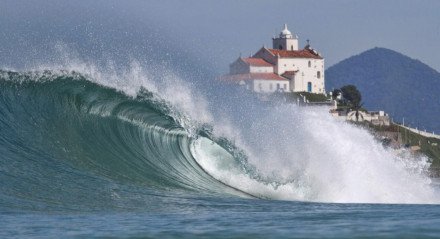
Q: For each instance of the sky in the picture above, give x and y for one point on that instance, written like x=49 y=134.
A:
x=214 y=33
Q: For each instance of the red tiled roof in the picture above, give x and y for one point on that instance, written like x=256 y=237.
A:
x=305 y=53
x=253 y=76
x=289 y=73
x=256 y=61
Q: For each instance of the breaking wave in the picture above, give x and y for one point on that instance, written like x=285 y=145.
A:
x=71 y=141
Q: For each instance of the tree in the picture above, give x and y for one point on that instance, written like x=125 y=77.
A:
x=353 y=98
x=336 y=93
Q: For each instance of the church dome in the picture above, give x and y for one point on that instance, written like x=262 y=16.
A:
x=285 y=33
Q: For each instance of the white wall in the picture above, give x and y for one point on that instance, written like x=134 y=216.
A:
x=289 y=44
x=261 y=69
x=269 y=86
x=305 y=73
x=240 y=67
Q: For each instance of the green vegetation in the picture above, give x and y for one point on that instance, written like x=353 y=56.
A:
x=311 y=97
x=351 y=95
x=351 y=98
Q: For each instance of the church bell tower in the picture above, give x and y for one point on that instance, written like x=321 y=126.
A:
x=286 y=41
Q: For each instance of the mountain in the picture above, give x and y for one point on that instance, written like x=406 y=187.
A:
x=390 y=81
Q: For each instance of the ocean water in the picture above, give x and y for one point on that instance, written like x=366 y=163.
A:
x=87 y=154
x=234 y=218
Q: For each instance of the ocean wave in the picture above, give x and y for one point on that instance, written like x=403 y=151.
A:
x=69 y=142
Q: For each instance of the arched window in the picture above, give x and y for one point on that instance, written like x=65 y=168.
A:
x=318 y=74
x=291 y=48
x=310 y=64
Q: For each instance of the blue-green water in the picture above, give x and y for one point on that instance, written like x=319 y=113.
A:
x=234 y=218
x=78 y=159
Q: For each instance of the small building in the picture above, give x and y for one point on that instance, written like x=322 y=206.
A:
x=378 y=118
x=284 y=67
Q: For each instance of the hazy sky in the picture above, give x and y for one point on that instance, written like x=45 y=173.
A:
x=217 y=31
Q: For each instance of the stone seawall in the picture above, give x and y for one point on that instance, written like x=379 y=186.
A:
x=423 y=133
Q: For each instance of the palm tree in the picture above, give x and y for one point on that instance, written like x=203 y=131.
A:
x=353 y=98
x=357 y=107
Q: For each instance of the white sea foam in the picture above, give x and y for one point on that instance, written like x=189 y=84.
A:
x=304 y=154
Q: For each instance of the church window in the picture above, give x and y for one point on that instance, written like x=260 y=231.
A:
x=318 y=74
x=310 y=64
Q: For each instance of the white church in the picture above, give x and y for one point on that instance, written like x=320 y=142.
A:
x=283 y=68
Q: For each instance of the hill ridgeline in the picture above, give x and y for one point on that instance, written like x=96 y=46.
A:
x=388 y=80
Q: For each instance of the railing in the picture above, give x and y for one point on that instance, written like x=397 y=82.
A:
x=423 y=133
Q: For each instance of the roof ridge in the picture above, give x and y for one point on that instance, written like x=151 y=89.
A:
x=304 y=53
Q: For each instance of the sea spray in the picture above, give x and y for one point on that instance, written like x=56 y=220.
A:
x=305 y=154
